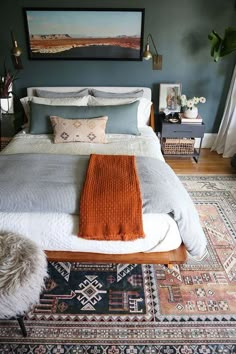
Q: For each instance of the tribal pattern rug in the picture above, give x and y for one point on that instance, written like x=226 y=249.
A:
x=149 y=309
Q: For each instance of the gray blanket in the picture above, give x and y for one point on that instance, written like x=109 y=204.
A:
x=52 y=183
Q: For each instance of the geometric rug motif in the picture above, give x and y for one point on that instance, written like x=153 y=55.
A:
x=93 y=292
x=131 y=309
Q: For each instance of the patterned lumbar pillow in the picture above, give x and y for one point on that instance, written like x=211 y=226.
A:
x=85 y=130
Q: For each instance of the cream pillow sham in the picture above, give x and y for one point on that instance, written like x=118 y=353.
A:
x=66 y=101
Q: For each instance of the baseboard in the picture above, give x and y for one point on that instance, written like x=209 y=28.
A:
x=207 y=141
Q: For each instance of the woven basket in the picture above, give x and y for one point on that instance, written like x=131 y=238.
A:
x=172 y=146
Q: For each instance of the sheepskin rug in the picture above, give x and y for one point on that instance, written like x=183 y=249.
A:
x=23 y=268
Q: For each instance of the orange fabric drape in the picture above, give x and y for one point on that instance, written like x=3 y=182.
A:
x=111 y=202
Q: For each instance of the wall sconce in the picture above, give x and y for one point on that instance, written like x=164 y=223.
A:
x=156 y=58
x=16 y=53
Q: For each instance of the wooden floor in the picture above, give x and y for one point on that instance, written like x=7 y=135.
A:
x=209 y=163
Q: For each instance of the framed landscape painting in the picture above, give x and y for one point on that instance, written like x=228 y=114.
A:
x=106 y=34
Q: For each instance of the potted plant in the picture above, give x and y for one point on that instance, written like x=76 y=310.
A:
x=6 y=94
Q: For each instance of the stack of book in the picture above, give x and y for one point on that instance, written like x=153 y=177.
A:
x=185 y=120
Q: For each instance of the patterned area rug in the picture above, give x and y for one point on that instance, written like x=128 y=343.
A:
x=149 y=309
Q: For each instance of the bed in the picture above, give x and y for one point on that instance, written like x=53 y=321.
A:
x=57 y=231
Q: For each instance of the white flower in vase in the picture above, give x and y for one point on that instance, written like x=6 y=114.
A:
x=189 y=106
x=202 y=100
x=196 y=100
x=190 y=103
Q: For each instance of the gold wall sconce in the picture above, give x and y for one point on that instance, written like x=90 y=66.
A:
x=16 y=53
x=156 y=58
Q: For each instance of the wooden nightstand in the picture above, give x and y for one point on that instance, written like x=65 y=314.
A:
x=181 y=131
x=9 y=126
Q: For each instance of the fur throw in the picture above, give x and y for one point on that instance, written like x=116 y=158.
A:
x=23 y=267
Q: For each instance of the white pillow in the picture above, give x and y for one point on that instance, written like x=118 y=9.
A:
x=144 y=108
x=66 y=101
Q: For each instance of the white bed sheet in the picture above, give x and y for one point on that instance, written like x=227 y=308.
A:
x=59 y=231
x=145 y=144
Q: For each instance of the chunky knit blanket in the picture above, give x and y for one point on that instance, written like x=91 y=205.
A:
x=111 y=178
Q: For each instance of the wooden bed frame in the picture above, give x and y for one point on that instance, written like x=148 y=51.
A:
x=176 y=256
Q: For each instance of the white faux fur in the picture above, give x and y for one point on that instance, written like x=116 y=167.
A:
x=23 y=268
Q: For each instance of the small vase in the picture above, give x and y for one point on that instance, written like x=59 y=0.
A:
x=6 y=105
x=191 y=112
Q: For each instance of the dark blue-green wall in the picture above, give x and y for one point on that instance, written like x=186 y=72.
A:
x=180 y=29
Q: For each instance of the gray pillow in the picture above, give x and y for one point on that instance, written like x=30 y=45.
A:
x=122 y=119
x=52 y=94
x=132 y=94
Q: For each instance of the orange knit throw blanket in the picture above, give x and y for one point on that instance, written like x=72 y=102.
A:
x=111 y=203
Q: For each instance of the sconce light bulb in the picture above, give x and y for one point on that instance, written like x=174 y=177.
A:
x=16 y=51
x=147 y=54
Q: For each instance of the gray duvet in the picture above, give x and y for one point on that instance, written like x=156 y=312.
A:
x=52 y=183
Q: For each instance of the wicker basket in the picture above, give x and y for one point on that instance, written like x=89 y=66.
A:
x=172 y=146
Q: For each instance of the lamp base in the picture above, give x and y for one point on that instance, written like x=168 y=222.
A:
x=157 y=62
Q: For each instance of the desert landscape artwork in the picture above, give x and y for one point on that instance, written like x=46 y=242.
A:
x=84 y=34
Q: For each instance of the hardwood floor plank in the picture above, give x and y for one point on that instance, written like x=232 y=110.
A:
x=209 y=163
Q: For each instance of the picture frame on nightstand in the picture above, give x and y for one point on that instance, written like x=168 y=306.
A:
x=169 y=97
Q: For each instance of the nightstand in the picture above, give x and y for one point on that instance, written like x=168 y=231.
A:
x=9 y=126
x=181 y=131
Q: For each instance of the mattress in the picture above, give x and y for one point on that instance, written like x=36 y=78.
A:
x=145 y=144
x=53 y=231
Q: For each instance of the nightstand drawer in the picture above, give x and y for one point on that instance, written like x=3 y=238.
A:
x=4 y=141
x=9 y=126
x=182 y=130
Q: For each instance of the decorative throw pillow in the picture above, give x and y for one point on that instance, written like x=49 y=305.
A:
x=86 y=130
x=52 y=94
x=144 y=107
x=129 y=94
x=122 y=118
